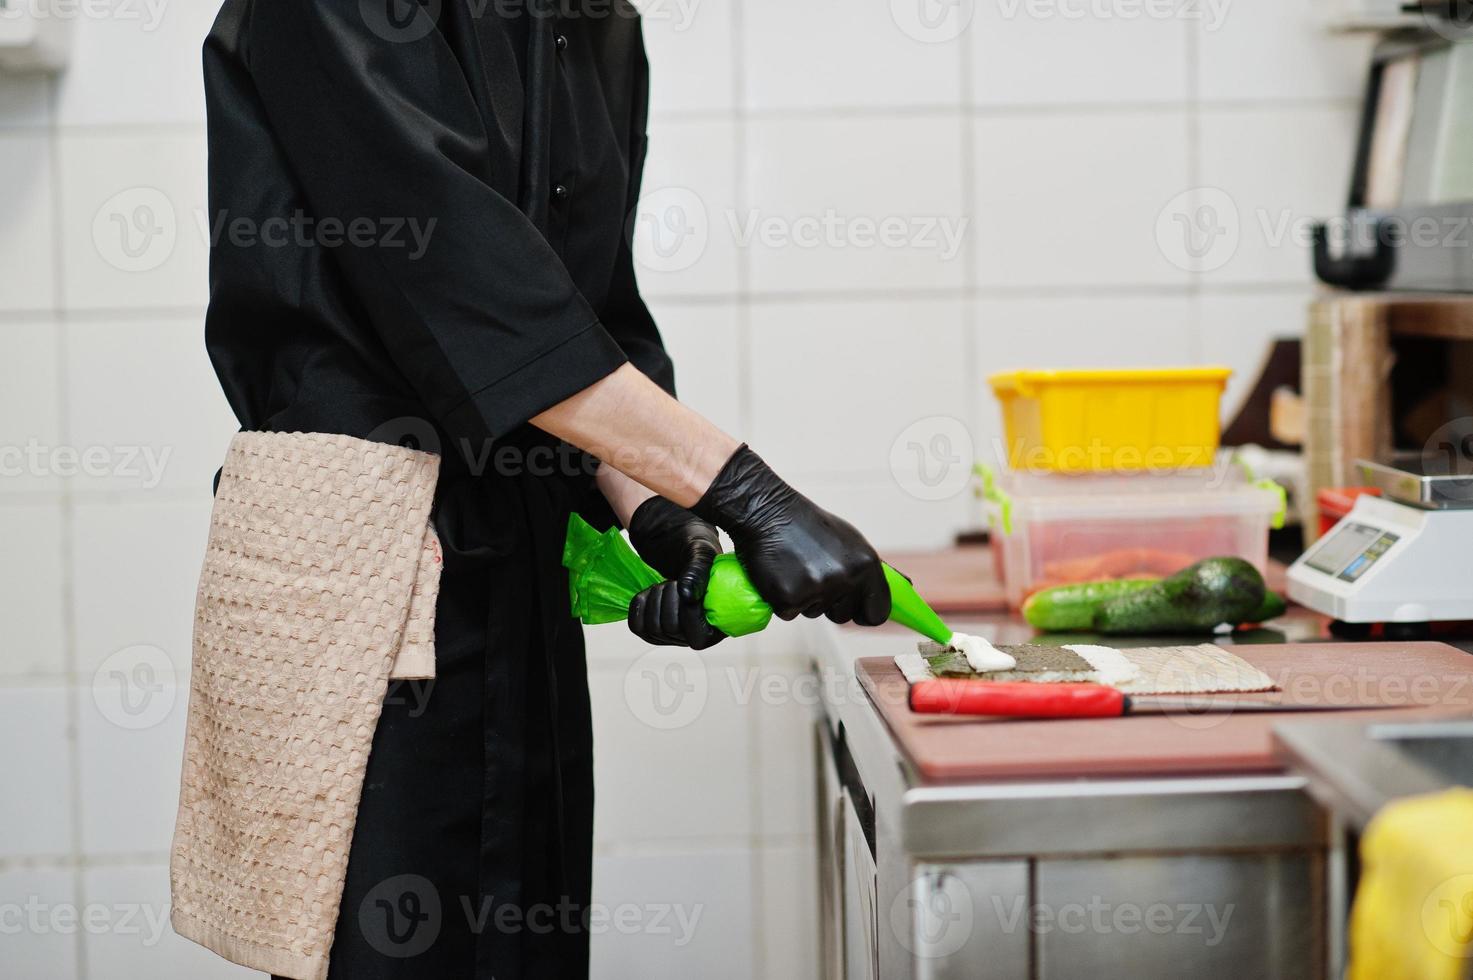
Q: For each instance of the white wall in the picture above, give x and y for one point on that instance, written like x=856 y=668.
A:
x=1061 y=140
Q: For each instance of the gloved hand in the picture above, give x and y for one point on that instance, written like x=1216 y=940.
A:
x=680 y=546
x=801 y=558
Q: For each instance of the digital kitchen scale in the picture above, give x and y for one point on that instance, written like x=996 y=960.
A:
x=1404 y=557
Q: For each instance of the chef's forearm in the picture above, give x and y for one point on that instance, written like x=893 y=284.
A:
x=623 y=494
x=635 y=427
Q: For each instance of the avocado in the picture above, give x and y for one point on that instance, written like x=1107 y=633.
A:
x=1196 y=599
x=1273 y=607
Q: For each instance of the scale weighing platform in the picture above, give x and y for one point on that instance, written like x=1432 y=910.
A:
x=1404 y=557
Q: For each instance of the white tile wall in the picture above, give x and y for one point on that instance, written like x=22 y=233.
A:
x=691 y=56
x=135 y=567
x=35 y=809
x=45 y=900
x=23 y=102
x=782 y=706
x=125 y=380
x=685 y=914
x=682 y=243
x=137 y=943
x=138 y=65
x=30 y=406
x=839 y=380
x=132 y=209
x=842 y=203
x=1238 y=331
x=1277 y=51
x=827 y=54
x=1057 y=139
x=788 y=913
x=652 y=719
x=27 y=267
x=127 y=722
x=1071 y=199
x=31 y=589
x=1276 y=205
x=705 y=342
x=892 y=518
x=1057 y=59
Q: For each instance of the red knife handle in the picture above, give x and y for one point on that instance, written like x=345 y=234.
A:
x=954 y=696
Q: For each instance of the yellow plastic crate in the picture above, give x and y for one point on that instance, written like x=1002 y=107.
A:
x=1089 y=421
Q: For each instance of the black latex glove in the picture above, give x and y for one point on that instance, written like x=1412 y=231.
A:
x=680 y=546
x=801 y=558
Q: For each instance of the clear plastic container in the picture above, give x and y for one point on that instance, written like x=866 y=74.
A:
x=1054 y=529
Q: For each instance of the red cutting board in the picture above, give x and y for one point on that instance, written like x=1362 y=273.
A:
x=1413 y=679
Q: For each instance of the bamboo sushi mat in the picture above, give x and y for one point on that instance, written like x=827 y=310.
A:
x=1200 y=669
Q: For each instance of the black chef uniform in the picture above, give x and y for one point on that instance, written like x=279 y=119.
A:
x=419 y=214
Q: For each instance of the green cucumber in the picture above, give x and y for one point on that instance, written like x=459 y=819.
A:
x=1072 y=607
x=1196 y=599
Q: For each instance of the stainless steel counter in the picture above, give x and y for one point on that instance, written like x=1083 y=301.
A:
x=1354 y=769
x=1151 y=877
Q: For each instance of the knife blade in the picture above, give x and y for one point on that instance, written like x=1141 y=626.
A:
x=952 y=696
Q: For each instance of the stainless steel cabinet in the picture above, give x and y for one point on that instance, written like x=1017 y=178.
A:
x=1097 y=878
x=965 y=922
x=861 y=900
x=1199 y=915
x=830 y=831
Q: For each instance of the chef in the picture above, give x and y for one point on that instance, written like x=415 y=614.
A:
x=458 y=178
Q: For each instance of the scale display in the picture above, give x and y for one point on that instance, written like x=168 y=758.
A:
x=1351 y=550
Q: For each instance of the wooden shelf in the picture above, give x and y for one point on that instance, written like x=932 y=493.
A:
x=1414 y=315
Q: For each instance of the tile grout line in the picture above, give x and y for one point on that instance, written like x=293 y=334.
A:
x=1007 y=109
x=929 y=293
x=971 y=359
x=741 y=179
x=68 y=525
x=1195 y=279
x=130 y=315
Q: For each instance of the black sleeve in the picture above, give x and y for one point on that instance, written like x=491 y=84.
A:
x=626 y=315
x=486 y=323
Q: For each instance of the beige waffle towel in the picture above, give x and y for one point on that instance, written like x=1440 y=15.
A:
x=319 y=583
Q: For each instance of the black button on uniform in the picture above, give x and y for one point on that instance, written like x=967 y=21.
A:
x=562 y=42
x=560 y=192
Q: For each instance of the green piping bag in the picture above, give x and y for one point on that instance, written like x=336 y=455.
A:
x=604 y=576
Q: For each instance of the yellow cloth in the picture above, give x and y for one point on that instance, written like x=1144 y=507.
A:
x=1413 y=913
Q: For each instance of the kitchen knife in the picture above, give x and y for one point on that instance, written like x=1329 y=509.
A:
x=951 y=696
